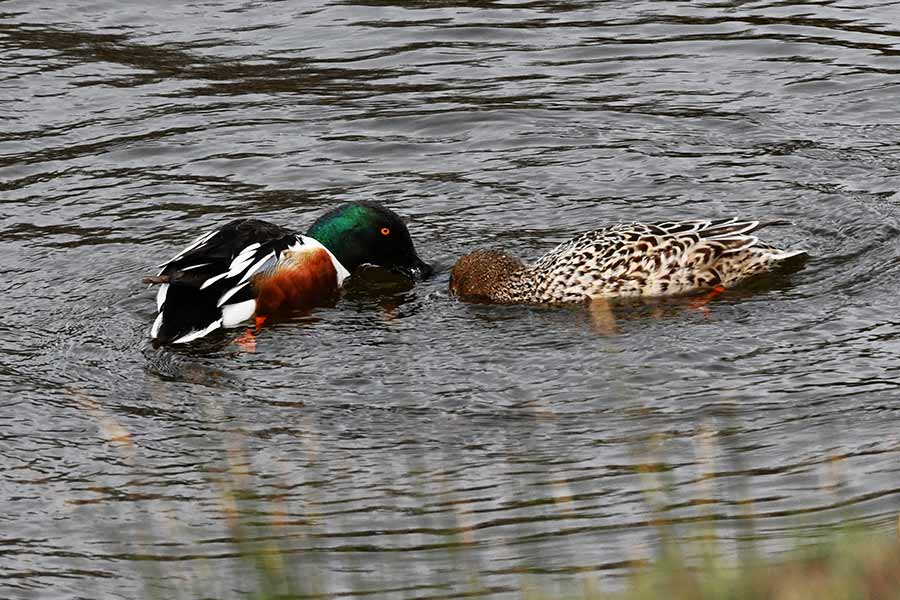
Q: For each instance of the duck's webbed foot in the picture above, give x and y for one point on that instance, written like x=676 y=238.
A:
x=700 y=302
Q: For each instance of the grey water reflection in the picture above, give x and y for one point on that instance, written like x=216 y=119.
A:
x=399 y=439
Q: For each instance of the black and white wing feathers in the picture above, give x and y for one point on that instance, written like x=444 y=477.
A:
x=208 y=285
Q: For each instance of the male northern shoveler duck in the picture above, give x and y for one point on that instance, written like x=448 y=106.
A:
x=625 y=260
x=253 y=268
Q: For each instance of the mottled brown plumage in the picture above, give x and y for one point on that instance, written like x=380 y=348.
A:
x=484 y=274
x=625 y=260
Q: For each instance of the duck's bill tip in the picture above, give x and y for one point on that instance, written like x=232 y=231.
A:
x=418 y=270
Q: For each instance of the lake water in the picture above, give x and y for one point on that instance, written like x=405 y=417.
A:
x=401 y=442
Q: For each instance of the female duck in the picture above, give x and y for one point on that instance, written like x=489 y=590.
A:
x=254 y=268
x=626 y=260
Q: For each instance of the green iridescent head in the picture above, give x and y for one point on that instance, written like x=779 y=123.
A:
x=360 y=233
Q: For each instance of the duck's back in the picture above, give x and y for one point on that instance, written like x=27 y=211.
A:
x=661 y=259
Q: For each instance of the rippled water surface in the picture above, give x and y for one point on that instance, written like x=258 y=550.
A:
x=400 y=438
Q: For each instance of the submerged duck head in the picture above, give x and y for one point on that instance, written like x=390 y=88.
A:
x=360 y=233
x=483 y=274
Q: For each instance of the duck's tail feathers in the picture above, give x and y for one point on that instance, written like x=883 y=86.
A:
x=184 y=315
x=788 y=255
x=737 y=236
x=730 y=228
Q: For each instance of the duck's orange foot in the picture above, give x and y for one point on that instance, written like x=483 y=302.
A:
x=701 y=302
x=246 y=341
x=259 y=321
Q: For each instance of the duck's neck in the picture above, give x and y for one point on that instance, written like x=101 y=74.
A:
x=349 y=257
x=337 y=230
x=517 y=286
x=335 y=237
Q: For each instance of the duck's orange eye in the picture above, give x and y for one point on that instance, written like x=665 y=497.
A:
x=385 y=231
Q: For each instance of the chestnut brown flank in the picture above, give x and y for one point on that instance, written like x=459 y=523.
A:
x=303 y=283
